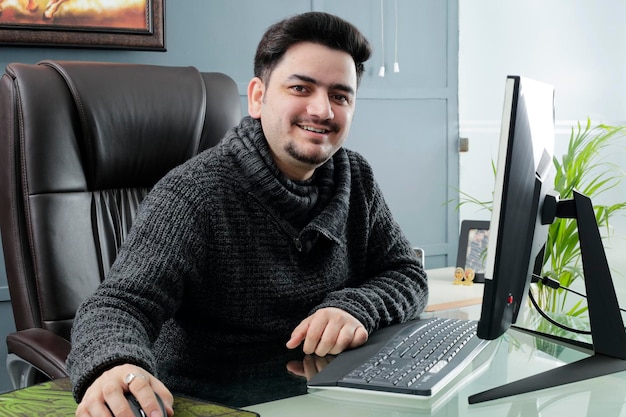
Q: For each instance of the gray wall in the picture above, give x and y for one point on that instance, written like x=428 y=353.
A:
x=406 y=124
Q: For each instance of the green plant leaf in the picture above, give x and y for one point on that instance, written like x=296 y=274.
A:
x=582 y=168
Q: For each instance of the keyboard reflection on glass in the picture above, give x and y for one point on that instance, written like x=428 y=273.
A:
x=418 y=359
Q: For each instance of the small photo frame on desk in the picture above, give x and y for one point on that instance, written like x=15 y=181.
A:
x=473 y=243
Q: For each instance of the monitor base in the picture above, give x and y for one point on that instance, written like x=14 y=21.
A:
x=591 y=367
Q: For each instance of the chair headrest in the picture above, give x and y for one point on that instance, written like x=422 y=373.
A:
x=137 y=121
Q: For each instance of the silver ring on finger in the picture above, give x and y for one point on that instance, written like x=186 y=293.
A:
x=130 y=377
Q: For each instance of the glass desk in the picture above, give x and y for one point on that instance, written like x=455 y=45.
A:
x=269 y=381
x=271 y=390
x=514 y=356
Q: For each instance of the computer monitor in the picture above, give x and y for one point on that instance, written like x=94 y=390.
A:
x=523 y=178
x=523 y=209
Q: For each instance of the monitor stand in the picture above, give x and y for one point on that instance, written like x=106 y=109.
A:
x=607 y=327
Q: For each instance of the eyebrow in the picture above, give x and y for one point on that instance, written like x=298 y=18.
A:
x=306 y=78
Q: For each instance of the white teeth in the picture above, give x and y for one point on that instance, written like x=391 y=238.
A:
x=312 y=129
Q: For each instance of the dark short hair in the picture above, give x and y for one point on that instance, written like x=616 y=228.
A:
x=316 y=27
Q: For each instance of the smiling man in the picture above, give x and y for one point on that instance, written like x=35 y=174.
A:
x=278 y=233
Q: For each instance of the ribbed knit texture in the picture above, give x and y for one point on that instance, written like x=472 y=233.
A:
x=227 y=251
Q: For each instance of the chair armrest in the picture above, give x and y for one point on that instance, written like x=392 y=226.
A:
x=45 y=350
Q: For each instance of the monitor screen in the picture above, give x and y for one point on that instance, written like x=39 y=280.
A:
x=523 y=177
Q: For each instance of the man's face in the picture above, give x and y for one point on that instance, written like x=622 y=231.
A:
x=306 y=106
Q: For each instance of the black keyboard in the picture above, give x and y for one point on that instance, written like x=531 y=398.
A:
x=419 y=359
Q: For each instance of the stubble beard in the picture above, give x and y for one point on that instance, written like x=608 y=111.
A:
x=316 y=159
x=312 y=160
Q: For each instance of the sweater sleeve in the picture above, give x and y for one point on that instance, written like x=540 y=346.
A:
x=393 y=287
x=120 y=322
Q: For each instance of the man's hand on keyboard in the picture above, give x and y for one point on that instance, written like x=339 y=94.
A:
x=328 y=331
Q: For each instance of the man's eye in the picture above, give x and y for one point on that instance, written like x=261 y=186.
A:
x=298 y=88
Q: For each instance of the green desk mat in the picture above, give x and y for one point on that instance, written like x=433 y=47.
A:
x=54 y=399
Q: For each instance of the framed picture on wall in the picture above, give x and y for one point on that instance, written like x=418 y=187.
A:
x=472 y=252
x=116 y=24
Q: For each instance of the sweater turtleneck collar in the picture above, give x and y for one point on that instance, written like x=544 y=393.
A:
x=297 y=201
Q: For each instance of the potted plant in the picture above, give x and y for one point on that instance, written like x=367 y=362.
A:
x=582 y=168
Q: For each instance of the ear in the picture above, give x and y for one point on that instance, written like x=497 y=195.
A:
x=256 y=91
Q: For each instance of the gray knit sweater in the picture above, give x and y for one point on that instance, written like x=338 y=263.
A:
x=226 y=251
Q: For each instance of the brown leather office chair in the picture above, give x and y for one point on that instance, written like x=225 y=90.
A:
x=81 y=143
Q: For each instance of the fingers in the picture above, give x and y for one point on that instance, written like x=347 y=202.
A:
x=140 y=387
x=166 y=396
x=317 y=331
x=298 y=334
x=328 y=331
x=334 y=339
x=106 y=395
x=360 y=337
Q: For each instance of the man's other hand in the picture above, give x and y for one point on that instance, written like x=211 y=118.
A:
x=328 y=331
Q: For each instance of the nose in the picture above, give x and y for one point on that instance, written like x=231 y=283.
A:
x=320 y=106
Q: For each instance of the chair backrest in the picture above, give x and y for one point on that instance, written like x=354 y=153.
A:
x=81 y=143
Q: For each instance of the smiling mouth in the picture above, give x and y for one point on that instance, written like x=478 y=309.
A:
x=314 y=129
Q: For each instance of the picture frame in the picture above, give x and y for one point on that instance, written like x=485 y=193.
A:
x=472 y=251
x=127 y=24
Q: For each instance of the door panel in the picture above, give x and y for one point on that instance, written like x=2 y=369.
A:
x=406 y=123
